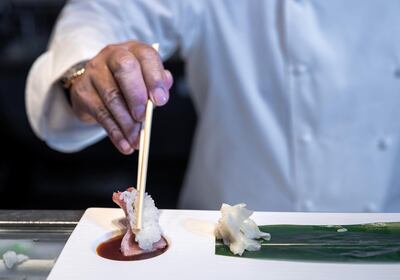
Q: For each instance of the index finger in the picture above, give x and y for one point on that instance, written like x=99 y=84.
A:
x=128 y=74
x=154 y=74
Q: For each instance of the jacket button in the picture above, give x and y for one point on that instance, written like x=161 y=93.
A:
x=308 y=205
x=397 y=73
x=384 y=143
x=371 y=207
x=298 y=69
x=305 y=205
x=306 y=138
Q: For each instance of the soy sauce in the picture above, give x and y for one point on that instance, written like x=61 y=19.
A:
x=111 y=249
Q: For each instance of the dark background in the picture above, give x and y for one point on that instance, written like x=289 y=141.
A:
x=32 y=176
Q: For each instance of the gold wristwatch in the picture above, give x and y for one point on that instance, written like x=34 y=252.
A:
x=72 y=73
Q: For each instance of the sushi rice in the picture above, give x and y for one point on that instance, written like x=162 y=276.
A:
x=150 y=231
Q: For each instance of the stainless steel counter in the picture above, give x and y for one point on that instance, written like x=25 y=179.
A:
x=39 y=234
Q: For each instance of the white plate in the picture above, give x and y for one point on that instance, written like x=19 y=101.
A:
x=191 y=250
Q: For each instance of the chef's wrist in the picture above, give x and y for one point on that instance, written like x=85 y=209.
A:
x=69 y=77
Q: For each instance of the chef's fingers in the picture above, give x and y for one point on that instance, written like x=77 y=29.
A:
x=169 y=80
x=105 y=119
x=85 y=101
x=128 y=74
x=154 y=74
x=114 y=101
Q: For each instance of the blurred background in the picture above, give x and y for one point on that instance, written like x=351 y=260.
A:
x=32 y=176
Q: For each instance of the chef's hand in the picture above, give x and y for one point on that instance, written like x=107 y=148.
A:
x=115 y=87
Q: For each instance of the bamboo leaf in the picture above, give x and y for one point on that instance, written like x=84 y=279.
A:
x=374 y=242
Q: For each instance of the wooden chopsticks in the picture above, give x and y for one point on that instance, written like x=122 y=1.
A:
x=144 y=147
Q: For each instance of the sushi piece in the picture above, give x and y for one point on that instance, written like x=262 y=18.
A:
x=237 y=230
x=149 y=238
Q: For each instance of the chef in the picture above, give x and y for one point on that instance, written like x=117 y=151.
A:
x=298 y=100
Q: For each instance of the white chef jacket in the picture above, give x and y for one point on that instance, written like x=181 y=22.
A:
x=298 y=100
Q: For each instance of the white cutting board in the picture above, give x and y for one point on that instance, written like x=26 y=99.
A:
x=191 y=250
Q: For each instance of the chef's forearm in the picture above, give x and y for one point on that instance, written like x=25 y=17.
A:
x=83 y=29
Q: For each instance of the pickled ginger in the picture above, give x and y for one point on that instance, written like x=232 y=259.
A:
x=237 y=230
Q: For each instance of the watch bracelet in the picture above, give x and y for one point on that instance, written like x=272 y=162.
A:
x=72 y=73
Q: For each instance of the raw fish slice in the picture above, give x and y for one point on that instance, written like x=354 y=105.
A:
x=129 y=247
x=120 y=202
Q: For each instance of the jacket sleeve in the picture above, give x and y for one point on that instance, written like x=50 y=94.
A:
x=82 y=30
